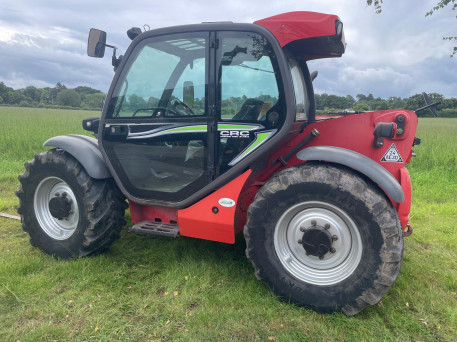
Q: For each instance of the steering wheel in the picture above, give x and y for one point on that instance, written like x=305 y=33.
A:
x=181 y=108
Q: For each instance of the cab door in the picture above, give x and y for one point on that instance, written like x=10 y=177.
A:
x=155 y=128
x=251 y=109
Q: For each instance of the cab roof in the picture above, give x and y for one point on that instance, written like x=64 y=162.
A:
x=315 y=35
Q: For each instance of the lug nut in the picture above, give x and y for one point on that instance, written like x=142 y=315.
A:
x=299 y=241
x=302 y=229
x=334 y=238
x=57 y=194
x=327 y=226
x=321 y=257
x=313 y=222
x=332 y=250
x=64 y=194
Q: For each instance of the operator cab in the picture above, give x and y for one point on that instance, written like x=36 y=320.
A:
x=192 y=107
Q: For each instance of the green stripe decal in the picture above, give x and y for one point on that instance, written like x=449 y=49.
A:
x=229 y=126
x=201 y=128
x=260 y=139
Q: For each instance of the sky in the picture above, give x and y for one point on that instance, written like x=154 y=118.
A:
x=399 y=52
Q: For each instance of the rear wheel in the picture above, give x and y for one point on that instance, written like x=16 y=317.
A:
x=65 y=211
x=323 y=237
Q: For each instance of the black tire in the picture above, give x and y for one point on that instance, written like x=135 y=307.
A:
x=313 y=199
x=90 y=212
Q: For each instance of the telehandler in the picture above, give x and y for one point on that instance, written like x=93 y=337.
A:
x=209 y=130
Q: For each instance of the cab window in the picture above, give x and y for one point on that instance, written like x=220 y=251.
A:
x=302 y=102
x=165 y=78
x=248 y=82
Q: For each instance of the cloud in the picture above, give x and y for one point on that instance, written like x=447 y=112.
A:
x=395 y=53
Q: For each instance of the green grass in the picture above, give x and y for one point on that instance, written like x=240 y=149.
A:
x=187 y=289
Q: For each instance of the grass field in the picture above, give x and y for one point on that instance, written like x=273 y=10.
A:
x=191 y=290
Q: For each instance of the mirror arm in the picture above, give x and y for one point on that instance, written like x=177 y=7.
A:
x=114 y=60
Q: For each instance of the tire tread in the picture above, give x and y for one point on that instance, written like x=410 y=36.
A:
x=383 y=212
x=104 y=204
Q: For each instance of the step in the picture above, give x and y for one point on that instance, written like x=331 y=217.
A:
x=155 y=228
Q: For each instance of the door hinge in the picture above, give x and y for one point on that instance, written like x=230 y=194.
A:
x=212 y=109
x=213 y=43
x=210 y=173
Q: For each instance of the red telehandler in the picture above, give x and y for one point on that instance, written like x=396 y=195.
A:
x=209 y=130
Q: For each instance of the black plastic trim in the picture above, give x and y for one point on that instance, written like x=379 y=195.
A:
x=358 y=162
x=85 y=150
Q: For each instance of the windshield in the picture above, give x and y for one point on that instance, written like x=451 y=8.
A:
x=165 y=78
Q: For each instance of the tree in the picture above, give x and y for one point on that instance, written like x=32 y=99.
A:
x=440 y=5
x=361 y=107
x=5 y=92
x=68 y=97
x=336 y=102
x=450 y=103
x=350 y=101
x=47 y=96
x=84 y=90
x=396 y=102
x=136 y=102
x=361 y=97
x=415 y=102
x=376 y=4
x=95 y=101
x=59 y=87
x=15 y=97
x=32 y=92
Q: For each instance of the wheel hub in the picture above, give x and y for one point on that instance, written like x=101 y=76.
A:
x=317 y=241
x=56 y=208
x=60 y=206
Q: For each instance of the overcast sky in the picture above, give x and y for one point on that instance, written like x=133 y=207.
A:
x=396 y=53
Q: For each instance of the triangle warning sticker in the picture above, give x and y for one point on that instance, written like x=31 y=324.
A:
x=392 y=155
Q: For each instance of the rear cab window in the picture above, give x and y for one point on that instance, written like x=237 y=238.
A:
x=302 y=101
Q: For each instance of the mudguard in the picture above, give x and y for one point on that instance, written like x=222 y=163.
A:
x=85 y=150
x=358 y=162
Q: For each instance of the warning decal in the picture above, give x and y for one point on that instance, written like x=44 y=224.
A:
x=392 y=155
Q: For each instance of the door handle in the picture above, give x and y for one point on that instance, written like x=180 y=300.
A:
x=117 y=130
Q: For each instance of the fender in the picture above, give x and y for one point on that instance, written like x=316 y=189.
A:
x=85 y=150
x=359 y=162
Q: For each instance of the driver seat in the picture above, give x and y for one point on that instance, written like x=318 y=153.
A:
x=249 y=111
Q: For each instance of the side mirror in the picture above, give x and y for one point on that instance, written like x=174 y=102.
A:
x=229 y=56
x=313 y=75
x=96 y=43
x=188 y=93
x=91 y=124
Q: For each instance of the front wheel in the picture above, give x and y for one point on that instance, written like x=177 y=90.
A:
x=65 y=211
x=323 y=237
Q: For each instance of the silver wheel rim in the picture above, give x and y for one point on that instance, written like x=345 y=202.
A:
x=333 y=267
x=49 y=188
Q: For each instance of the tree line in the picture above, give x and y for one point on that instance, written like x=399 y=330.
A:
x=59 y=96
x=361 y=103
x=84 y=97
